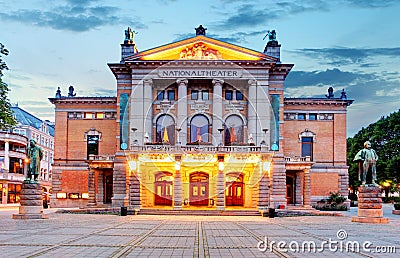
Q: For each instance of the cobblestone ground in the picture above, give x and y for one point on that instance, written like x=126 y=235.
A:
x=84 y=235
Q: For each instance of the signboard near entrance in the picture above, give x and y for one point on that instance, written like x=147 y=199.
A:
x=207 y=73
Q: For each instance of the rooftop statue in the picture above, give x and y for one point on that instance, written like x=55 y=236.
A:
x=71 y=91
x=200 y=30
x=35 y=155
x=271 y=35
x=343 y=94
x=330 y=93
x=367 y=158
x=58 y=93
x=130 y=36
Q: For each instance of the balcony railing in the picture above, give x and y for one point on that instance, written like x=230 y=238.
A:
x=101 y=157
x=298 y=159
x=198 y=148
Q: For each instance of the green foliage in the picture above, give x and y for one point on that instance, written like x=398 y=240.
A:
x=335 y=202
x=384 y=136
x=7 y=119
x=397 y=206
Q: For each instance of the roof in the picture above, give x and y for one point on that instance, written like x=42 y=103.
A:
x=26 y=118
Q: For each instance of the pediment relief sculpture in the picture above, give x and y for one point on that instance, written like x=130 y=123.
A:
x=200 y=51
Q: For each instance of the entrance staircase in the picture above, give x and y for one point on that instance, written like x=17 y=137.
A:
x=198 y=212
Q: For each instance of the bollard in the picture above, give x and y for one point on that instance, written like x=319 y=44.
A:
x=271 y=212
x=124 y=211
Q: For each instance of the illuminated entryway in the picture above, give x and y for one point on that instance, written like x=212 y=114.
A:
x=199 y=189
x=163 y=189
x=234 y=189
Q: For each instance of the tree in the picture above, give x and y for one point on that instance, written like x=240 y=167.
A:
x=7 y=119
x=384 y=136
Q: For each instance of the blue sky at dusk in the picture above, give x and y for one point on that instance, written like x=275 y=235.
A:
x=347 y=44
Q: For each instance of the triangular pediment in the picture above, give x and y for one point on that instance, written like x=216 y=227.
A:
x=200 y=48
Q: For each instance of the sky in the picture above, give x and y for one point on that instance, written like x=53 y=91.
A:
x=344 y=44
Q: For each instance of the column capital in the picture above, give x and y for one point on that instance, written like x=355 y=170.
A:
x=148 y=82
x=181 y=81
x=217 y=82
x=252 y=82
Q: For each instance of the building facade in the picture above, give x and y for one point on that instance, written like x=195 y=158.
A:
x=198 y=123
x=13 y=153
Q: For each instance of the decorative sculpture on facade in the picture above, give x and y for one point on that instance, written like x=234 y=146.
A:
x=367 y=158
x=35 y=155
x=58 y=93
x=271 y=35
x=343 y=95
x=200 y=51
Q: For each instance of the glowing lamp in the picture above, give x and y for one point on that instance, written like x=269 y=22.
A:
x=177 y=165
x=132 y=165
x=221 y=166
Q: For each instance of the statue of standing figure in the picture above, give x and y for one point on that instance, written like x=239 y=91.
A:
x=367 y=158
x=35 y=155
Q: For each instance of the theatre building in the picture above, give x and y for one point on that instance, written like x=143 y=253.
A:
x=198 y=123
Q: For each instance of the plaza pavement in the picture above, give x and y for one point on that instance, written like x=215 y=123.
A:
x=88 y=235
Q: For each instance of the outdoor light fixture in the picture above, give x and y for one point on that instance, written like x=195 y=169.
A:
x=221 y=164
x=61 y=195
x=85 y=195
x=177 y=165
x=132 y=165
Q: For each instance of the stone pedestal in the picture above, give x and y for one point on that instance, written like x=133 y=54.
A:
x=370 y=206
x=31 y=201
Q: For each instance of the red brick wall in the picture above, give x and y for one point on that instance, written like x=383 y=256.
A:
x=74 y=181
x=323 y=183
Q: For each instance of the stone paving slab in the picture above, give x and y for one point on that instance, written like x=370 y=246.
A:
x=91 y=235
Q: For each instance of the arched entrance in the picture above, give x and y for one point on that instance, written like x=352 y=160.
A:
x=199 y=189
x=163 y=189
x=234 y=190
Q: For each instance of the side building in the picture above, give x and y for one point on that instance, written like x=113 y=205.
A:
x=13 y=153
x=198 y=123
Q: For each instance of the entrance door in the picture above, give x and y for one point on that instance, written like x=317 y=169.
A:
x=199 y=189
x=234 y=190
x=108 y=187
x=290 y=190
x=163 y=189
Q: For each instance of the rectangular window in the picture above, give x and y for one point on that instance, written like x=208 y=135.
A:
x=99 y=115
x=301 y=116
x=195 y=95
x=88 y=115
x=160 y=95
x=171 y=95
x=307 y=147
x=239 y=95
x=92 y=145
x=228 y=95
x=312 y=117
x=204 y=94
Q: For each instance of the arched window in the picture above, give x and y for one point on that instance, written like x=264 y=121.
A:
x=165 y=131
x=199 y=129
x=234 y=133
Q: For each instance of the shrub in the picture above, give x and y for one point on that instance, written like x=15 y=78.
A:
x=335 y=202
x=397 y=206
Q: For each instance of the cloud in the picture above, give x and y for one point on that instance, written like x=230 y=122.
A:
x=236 y=38
x=72 y=16
x=371 y=4
x=346 y=56
x=332 y=77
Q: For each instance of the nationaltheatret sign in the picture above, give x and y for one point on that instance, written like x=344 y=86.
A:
x=220 y=73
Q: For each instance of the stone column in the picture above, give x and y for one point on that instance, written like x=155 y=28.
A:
x=92 y=188
x=307 y=188
x=220 y=190
x=178 y=190
x=6 y=155
x=148 y=110
x=251 y=111
x=217 y=111
x=182 y=110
